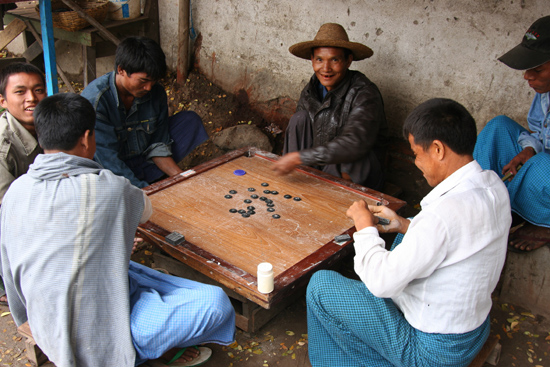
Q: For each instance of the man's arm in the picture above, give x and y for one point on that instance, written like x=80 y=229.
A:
x=167 y=165
x=159 y=143
x=387 y=273
x=6 y=178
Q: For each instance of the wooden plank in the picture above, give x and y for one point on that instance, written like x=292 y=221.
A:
x=182 y=66
x=62 y=74
x=12 y=30
x=83 y=38
x=33 y=51
x=102 y=30
x=89 y=68
x=485 y=351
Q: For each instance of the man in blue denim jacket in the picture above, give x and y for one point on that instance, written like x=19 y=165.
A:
x=524 y=156
x=135 y=137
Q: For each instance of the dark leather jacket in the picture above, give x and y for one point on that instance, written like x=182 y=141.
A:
x=347 y=124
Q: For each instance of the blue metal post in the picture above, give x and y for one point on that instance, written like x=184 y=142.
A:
x=48 y=45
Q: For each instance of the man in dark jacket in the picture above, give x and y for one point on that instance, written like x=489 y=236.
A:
x=340 y=125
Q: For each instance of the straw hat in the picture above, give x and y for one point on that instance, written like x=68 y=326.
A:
x=331 y=35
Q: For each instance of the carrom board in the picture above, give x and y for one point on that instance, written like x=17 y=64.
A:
x=228 y=247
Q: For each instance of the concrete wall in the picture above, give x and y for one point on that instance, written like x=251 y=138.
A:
x=422 y=49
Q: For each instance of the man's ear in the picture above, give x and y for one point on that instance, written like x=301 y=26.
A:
x=439 y=149
x=350 y=59
x=3 y=102
x=119 y=70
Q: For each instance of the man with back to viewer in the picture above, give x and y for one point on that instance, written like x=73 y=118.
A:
x=135 y=137
x=340 y=124
x=67 y=267
x=426 y=302
x=503 y=144
x=22 y=86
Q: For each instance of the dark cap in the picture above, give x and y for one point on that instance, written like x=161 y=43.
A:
x=534 y=49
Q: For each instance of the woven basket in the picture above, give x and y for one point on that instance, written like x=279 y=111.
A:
x=65 y=18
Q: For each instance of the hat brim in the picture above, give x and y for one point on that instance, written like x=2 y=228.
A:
x=303 y=49
x=522 y=58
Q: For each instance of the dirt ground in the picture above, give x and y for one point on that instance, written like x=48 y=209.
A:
x=525 y=338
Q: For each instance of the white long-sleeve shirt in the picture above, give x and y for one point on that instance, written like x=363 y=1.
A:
x=442 y=274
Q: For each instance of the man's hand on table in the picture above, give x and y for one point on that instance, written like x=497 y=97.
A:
x=397 y=224
x=287 y=163
x=364 y=215
x=137 y=242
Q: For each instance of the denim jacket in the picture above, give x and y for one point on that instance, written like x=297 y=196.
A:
x=538 y=119
x=122 y=135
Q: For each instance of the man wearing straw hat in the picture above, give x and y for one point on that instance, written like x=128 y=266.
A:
x=339 y=125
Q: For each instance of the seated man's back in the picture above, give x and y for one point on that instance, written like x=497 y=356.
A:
x=70 y=270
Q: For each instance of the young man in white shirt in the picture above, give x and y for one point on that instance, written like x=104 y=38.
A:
x=426 y=302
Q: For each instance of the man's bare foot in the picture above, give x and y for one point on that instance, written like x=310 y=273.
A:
x=529 y=237
x=4 y=300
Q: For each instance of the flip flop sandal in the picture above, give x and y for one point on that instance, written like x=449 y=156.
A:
x=204 y=355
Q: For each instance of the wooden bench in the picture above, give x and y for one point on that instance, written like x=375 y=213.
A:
x=34 y=354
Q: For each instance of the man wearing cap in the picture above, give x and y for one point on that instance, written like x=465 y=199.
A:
x=506 y=147
x=340 y=125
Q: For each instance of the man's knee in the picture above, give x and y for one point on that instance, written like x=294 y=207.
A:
x=500 y=122
x=217 y=305
x=187 y=118
x=320 y=284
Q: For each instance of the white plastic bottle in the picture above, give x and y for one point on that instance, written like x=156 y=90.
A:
x=265 y=278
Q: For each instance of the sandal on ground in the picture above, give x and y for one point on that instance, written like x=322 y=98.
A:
x=204 y=355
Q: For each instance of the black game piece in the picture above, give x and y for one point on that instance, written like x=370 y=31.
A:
x=232 y=192
x=228 y=196
x=274 y=192
x=342 y=238
x=270 y=209
x=276 y=216
x=242 y=211
x=251 y=189
x=265 y=184
x=270 y=205
x=263 y=198
x=297 y=198
x=175 y=238
x=269 y=201
x=251 y=212
x=383 y=221
x=248 y=201
x=250 y=207
x=267 y=192
x=232 y=210
x=254 y=196
x=245 y=215
x=287 y=196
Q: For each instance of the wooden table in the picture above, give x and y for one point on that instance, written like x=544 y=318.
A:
x=227 y=247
